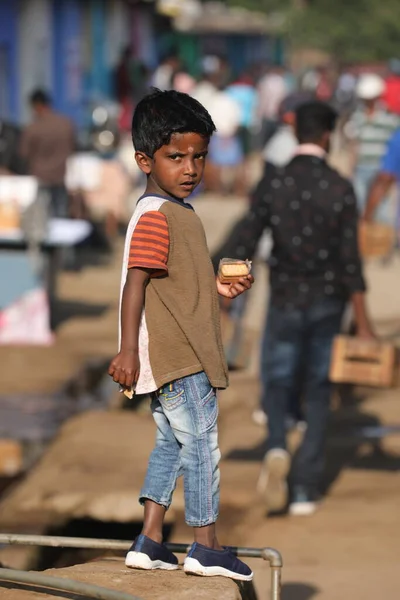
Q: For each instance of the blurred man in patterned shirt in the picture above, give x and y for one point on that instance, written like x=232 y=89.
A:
x=314 y=270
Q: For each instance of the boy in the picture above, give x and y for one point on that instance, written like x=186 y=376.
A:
x=170 y=340
x=315 y=268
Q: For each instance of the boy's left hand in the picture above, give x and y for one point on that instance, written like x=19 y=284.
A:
x=231 y=290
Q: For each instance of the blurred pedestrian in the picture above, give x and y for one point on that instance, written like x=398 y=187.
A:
x=388 y=175
x=280 y=149
x=164 y=74
x=315 y=268
x=324 y=88
x=369 y=130
x=123 y=76
x=272 y=89
x=183 y=82
x=46 y=144
x=345 y=93
x=391 y=95
x=211 y=80
x=225 y=168
x=243 y=91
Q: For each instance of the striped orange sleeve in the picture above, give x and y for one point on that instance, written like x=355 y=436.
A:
x=150 y=243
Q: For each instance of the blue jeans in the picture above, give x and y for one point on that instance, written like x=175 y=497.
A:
x=185 y=412
x=300 y=339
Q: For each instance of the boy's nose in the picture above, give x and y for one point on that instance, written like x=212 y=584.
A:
x=190 y=168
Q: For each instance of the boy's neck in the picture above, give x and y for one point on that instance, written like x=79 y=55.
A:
x=152 y=190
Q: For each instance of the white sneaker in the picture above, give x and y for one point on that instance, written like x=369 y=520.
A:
x=302 y=503
x=272 y=482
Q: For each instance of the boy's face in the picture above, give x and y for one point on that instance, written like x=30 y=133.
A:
x=176 y=169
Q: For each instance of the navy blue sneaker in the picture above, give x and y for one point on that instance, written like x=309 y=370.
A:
x=208 y=562
x=147 y=554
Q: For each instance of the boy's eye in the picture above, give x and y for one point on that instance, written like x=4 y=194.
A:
x=175 y=156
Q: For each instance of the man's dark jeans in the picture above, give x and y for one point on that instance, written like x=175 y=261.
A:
x=300 y=340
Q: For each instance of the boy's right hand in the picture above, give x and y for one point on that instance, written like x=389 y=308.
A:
x=125 y=368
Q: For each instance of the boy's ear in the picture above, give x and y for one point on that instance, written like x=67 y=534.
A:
x=143 y=162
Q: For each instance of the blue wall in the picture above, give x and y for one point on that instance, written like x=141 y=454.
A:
x=99 y=75
x=67 y=56
x=9 y=54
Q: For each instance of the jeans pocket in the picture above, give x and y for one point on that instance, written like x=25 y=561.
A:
x=208 y=410
x=172 y=395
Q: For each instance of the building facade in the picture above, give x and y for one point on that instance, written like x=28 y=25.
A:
x=67 y=47
x=71 y=48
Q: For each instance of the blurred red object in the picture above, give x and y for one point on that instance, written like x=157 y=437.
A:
x=125 y=115
x=391 y=96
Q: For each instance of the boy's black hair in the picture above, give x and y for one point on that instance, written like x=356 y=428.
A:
x=161 y=114
x=39 y=97
x=313 y=119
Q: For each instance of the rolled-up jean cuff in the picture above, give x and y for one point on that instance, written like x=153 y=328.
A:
x=145 y=497
x=209 y=521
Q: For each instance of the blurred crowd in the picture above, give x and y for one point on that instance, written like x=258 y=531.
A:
x=253 y=112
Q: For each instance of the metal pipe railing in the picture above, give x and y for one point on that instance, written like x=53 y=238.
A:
x=270 y=555
x=65 y=585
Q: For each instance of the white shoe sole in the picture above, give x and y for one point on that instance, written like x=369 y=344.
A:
x=272 y=483
x=303 y=509
x=192 y=566
x=139 y=560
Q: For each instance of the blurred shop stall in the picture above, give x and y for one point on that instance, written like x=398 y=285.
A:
x=31 y=245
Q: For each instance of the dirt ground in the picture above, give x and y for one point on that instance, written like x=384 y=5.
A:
x=349 y=549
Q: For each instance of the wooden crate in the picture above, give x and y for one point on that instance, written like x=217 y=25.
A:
x=375 y=239
x=362 y=362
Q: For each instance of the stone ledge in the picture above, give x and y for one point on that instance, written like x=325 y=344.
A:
x=146 y=585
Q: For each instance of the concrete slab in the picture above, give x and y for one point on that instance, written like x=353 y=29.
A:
x=146 y=585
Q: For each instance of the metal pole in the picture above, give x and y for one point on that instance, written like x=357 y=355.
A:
x=275 y=583
x=272 y=556
x=65 y=585
x=54 y=541
x=275 y=562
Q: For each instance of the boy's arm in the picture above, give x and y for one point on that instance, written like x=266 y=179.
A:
x=148 y=257
x=352 y=267
x=125 y=367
